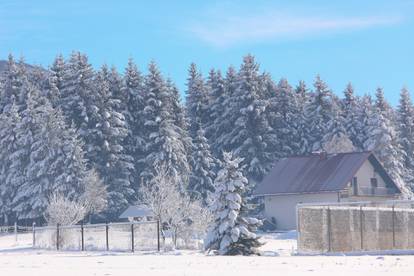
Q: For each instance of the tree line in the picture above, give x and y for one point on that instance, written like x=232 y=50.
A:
x=61 y=125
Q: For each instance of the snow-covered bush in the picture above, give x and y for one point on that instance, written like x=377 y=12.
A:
x=182 y=216
x=63 y=211
x=232 y=232
x=95 y=196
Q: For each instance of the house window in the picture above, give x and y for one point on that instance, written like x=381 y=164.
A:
x=374 y=185
x=355 y=186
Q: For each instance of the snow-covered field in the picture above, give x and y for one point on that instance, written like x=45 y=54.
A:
x=20 y=259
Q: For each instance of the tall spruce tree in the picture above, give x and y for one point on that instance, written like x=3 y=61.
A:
x=78 y=94
x=319 y=114
x=250 y=136
x=134 y=142
x=383 y=140
x=108 y=154
x=218 y=131
x=405 y=127
x=165 y=143
x=197 y=101
x=52 y=158
x=10 y=175
x=56 y=80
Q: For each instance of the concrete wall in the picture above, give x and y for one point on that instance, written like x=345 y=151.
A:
x=351 y=228
x=283 y=207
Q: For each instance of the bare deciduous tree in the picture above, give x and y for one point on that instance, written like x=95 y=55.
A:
x=177 y=212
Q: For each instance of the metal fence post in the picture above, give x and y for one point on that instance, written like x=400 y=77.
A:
x=132 y=238
x=361 y=227
x=107 y=236
x=329 y=229
x=15 y=231
x=34 y=234
x=57 y=236
x=158 y=235
x=82 y=238
x=393 y=226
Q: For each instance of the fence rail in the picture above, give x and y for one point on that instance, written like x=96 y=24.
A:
x=130 y=236
x=134 y=236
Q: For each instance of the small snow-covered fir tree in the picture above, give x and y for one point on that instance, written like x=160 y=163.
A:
x=232 y=232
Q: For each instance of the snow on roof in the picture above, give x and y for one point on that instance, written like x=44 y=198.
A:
x=317 y=173
x=136 y=211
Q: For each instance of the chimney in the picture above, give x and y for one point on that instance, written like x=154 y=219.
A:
x=322 y=154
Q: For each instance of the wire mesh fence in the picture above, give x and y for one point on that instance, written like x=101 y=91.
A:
x=135 y=236
x=355 y=226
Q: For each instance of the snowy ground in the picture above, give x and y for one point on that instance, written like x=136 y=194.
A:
x=20 y=259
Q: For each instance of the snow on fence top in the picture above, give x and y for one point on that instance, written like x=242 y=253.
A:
x=355 y=226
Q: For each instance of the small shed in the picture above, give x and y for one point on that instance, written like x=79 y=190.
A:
x=137 y=213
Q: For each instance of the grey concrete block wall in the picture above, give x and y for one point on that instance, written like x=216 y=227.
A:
x=353 y=228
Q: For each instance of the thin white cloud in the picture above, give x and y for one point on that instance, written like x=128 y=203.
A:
x=223 y=32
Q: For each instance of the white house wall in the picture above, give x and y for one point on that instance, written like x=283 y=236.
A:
x=283 y=207
x=365 y=173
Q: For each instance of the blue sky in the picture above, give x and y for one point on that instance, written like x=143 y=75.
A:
x=370 y=43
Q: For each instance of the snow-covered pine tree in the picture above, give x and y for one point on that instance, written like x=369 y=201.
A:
x=197 y=101
x=302 y=96
x=383 y=140
x=319 y=114
x=250 y=135
x=15 y=86
x=53 y=157
x=232 y=232
x=78 y=93
x=55 y=80
x=108 y=155
x=203 y=168
x=364 y=112
x=336 y=132
x=221 y=111
x=350 y=121
x=135 y=141
x=285 y=123
x=217 y=97
x=405 y=127
x=10 y=177
x=164 y=141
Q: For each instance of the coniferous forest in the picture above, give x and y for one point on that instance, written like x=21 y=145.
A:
x=61 y=125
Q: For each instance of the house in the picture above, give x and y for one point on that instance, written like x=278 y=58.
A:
x=137 y=213
x=322 y=177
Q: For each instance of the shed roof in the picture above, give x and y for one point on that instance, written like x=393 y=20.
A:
x=315 y=173
x=136 y=211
